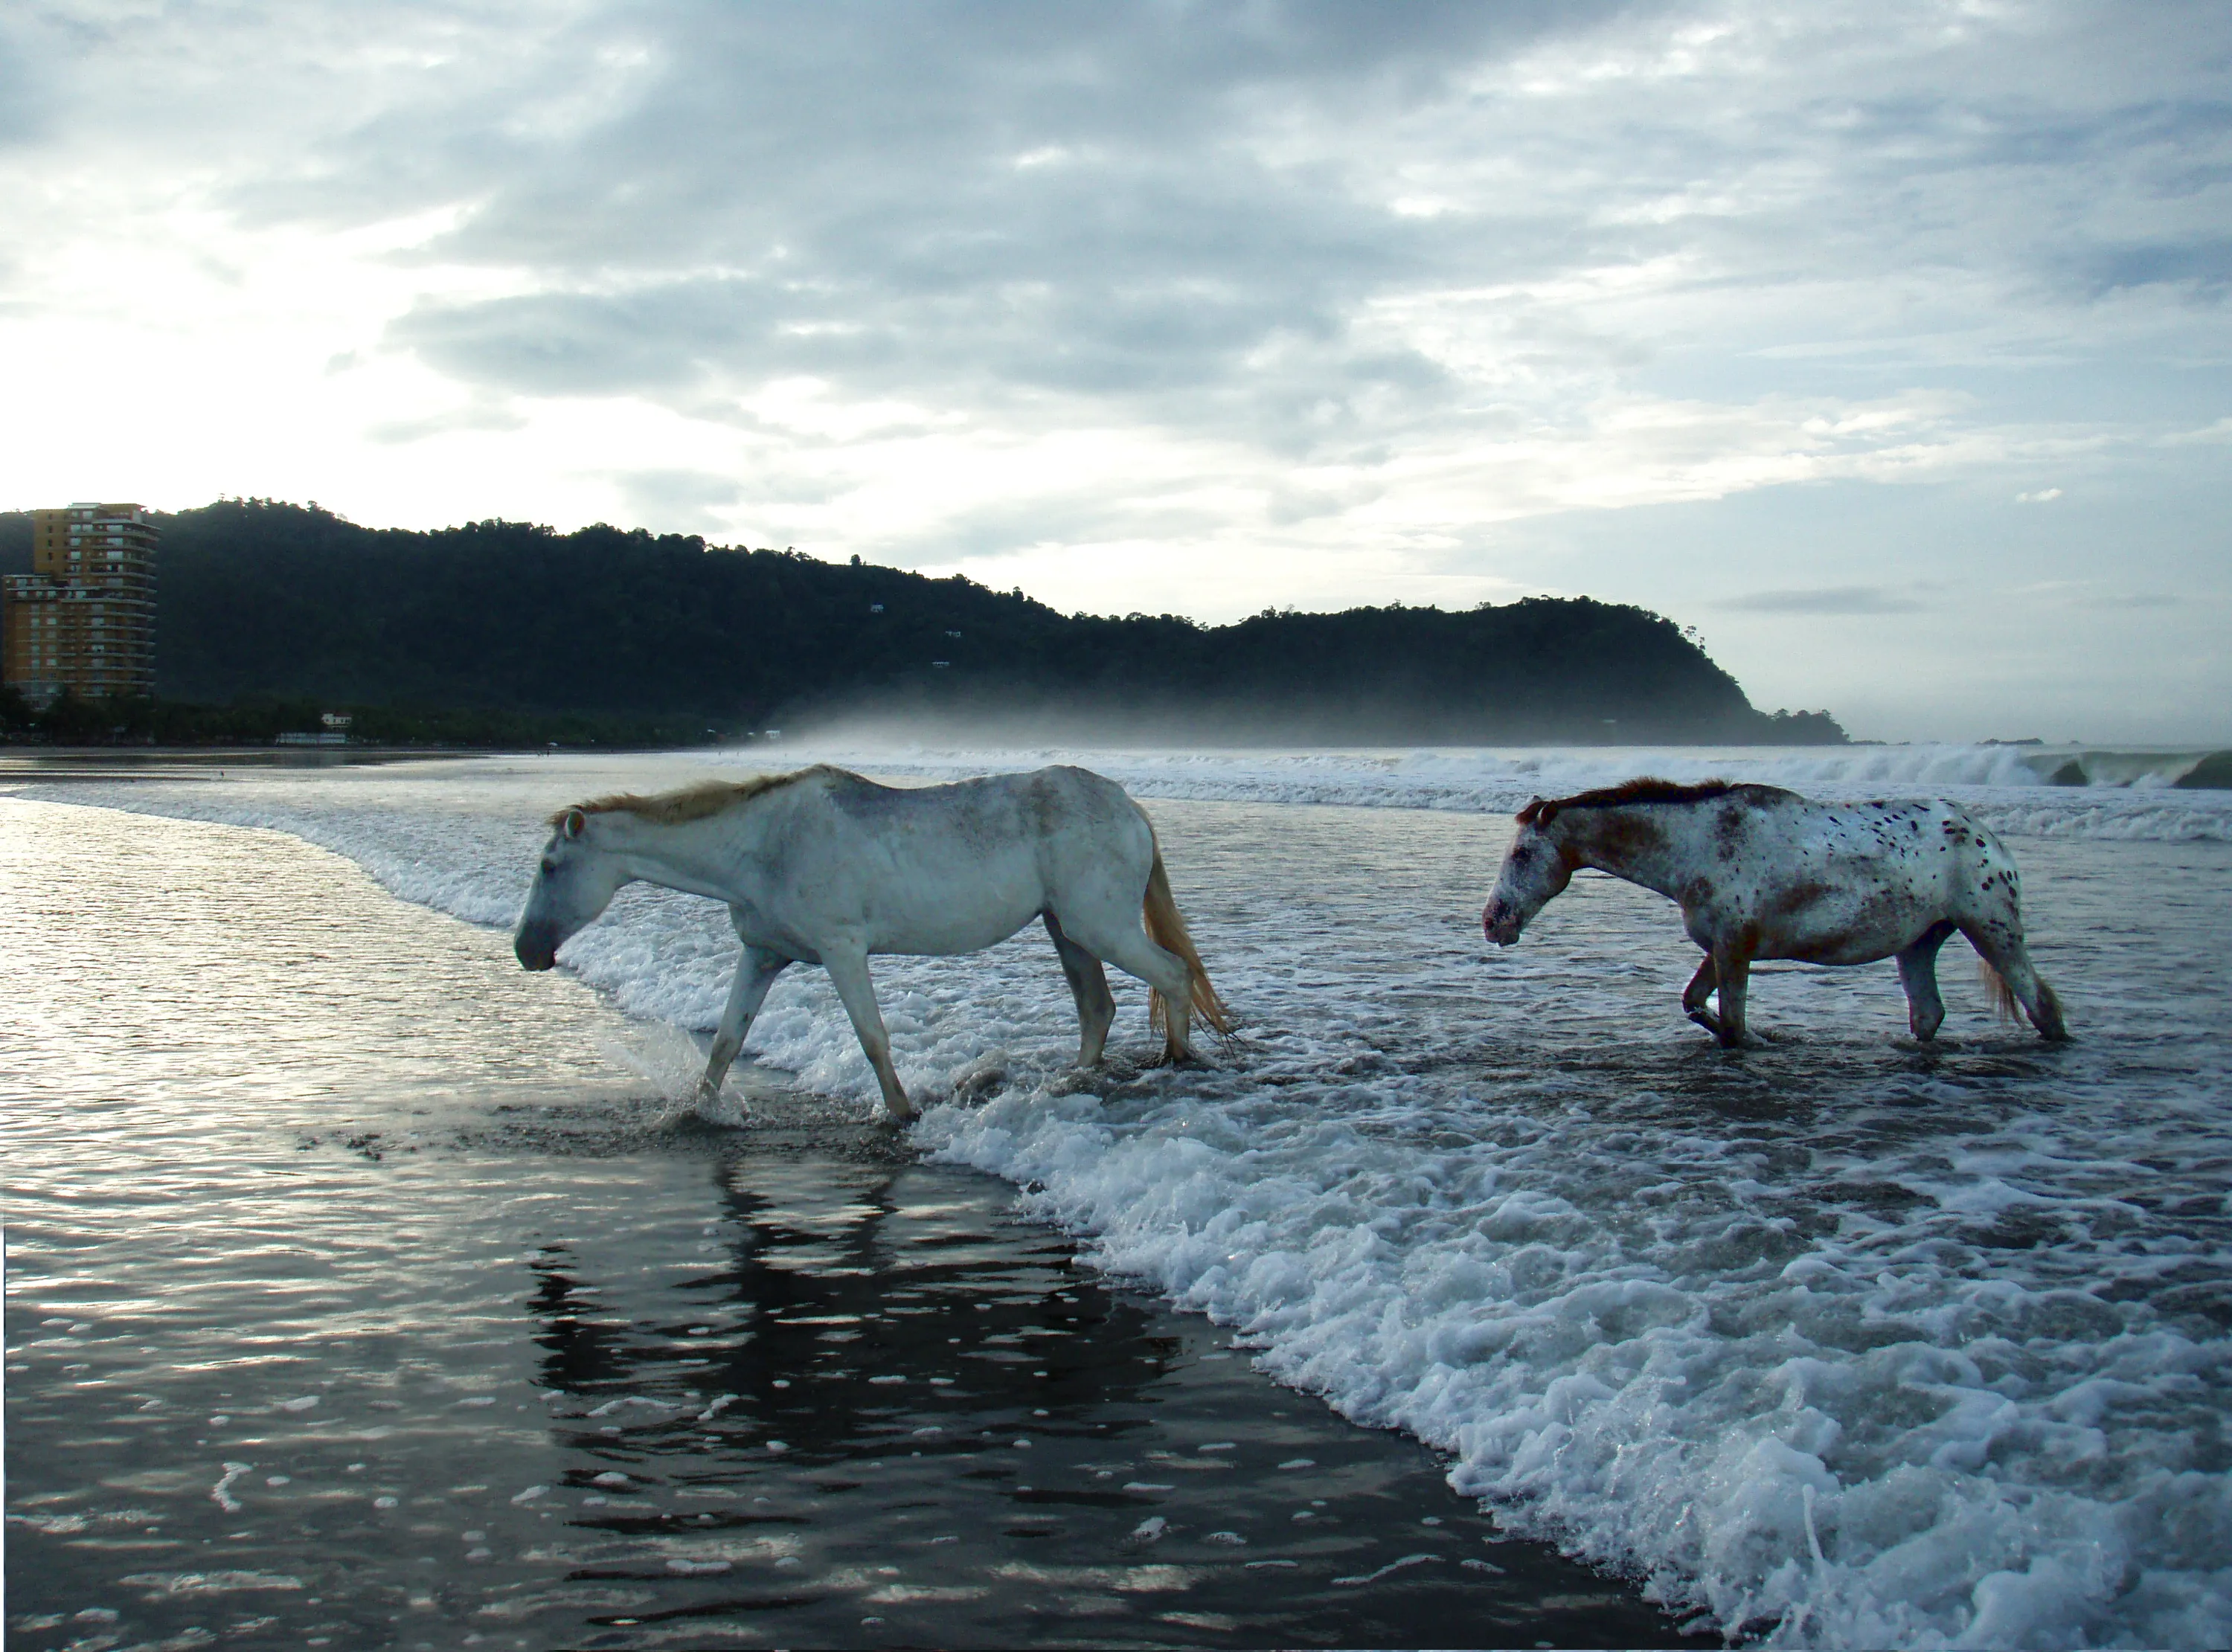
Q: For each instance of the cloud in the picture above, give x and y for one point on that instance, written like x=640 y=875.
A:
x=481 y=413
x=2204 y=264
x=653 y=339
x=27 y=100
x=2220 y=431
x=686 y=498
x=1243 y=299
x=1311 y=225
x=2141 y=599
x=1840 y=599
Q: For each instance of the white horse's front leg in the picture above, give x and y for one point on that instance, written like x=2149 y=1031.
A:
x=756 y=972
x=848 y=973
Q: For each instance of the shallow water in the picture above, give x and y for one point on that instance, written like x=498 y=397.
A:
x=356 y=1300
x=1845 y=1341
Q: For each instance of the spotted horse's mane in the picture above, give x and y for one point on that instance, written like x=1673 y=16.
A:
x=687 y=803
x=1645 y=788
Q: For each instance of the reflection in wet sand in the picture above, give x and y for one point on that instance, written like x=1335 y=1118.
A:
x=877 y=1394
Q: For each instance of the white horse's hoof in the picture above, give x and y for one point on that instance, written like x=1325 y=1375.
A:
x=980 y=1081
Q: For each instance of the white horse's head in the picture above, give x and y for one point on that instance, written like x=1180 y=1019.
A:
x=1535 y=868
x=575 y=884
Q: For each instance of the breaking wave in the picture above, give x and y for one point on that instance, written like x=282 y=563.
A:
x=2135 y=797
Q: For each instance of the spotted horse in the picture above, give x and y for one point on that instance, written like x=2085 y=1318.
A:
x=1760 y=872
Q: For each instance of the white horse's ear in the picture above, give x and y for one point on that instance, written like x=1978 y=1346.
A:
x=576 y=821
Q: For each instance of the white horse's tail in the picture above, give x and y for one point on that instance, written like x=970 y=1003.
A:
x=1168 y=931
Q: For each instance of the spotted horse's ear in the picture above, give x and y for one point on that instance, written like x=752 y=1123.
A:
x=573 y=824
x=1539 y=812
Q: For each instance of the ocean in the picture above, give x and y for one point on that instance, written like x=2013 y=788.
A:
x=1843 y=1341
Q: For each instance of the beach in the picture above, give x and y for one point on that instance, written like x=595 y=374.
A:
x=1843 y=1341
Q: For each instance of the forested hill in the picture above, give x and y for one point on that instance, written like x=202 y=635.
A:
x=263 y=599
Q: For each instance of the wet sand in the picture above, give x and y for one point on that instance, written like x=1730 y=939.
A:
x=345 y=1308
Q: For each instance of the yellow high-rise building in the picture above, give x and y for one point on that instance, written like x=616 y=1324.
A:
x=84 y=617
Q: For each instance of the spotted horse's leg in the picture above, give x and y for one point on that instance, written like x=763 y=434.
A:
x=1732 y=964
x=1698 y=991
x=1918 y=973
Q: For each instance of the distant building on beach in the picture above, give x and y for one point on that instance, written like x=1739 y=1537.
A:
x=335 y=732
x=83 y=619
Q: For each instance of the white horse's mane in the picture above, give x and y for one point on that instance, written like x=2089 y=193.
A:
x=698 y=802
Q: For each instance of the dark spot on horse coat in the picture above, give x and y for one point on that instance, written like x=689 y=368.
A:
x=1627 y=836
x=1728 y=833
x=1795 y=898
x=1043 y=804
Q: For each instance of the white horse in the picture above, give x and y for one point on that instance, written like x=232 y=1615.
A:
x=822 y=866
x=1760 y=872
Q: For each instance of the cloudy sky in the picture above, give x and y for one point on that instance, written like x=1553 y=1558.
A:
x=1886 y=343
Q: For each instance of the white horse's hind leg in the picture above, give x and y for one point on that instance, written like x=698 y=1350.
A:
x=1918 y=973
x=1088 y=985
x=1129 y=950
x=848 y=973
x=756 y=972
x=1177 y=1024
